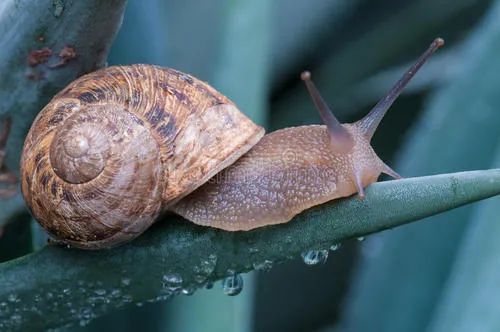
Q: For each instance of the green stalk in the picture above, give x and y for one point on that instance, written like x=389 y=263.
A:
x=58 y=286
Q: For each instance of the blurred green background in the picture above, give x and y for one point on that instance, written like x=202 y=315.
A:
x=439 y=274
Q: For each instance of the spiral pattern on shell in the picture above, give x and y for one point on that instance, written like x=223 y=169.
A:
x=118 y=146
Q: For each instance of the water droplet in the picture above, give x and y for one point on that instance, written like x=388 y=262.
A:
x=13 y=298
x=263 y=266
x=313 y=257
x=16 y=319
x=335 y=246
x=85 y=316
x=188 y=291
x=127 y=298
x=100 y=292
x=232 y=285
x=125 y=281
x=361 y=238
x=172 y=282
x=4 y=309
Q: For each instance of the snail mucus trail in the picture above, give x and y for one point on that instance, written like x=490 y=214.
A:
x=119 y=146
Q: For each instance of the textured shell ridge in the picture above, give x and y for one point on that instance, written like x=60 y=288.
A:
x=118 y=133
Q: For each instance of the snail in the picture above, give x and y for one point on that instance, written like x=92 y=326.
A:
x=119 y=146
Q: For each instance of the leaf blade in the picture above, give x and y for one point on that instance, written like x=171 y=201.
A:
x=177 y=247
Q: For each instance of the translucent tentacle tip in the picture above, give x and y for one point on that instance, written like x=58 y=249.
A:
x=439 y=42
x=305 y=75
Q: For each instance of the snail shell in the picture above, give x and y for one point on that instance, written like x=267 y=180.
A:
x=118 y=146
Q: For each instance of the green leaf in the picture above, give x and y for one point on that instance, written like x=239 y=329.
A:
x=458 y=131
x=242 y=71
x=145 y=24
x=15 y=238
x=302 y=30
x=193 y=35
x=25 y=26
x=469 y=301
x=373 y=39
x=74 y=285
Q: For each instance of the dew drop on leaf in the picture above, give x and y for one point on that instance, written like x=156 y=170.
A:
x=313 y=257
x=100 y=292
x=125 y=281
x=232 y=285
x=13 y=298
x=335 y=246
x=188 y=291
x=172 y=282
x=127 y=298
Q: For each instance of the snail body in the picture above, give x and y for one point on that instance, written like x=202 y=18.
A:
x=273 y=182
x=119 y=146
x=266 y=186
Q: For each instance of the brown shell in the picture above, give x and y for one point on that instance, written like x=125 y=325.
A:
x=118 y=146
